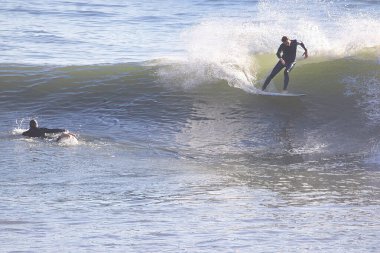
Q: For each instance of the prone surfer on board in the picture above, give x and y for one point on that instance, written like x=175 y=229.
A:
x=35 y=131
x=287 y=60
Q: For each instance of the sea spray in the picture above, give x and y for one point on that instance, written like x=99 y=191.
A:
x=215 y=51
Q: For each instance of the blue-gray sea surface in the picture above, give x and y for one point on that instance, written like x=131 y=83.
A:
x=177 y=152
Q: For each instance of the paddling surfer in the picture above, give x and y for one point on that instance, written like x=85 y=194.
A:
x=35 y=131
x=287 y=60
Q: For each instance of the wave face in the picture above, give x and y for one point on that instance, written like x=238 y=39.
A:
x=176 y=150
x=179 y=87
x=339 y=115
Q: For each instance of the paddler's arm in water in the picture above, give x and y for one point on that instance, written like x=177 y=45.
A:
x=304 y=48
x=279 y=54
x=53 y=131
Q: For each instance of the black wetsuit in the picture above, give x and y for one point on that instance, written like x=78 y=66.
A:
x=41 y=132
x=289 y=56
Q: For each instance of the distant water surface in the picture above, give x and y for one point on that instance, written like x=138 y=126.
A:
x=177 y=152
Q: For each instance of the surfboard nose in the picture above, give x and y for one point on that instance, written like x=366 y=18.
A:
x=67 y=139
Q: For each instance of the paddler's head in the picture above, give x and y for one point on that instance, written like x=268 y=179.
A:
x=33 y=124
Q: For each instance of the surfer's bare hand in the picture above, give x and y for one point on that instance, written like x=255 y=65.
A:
x=305 y=54
x=282 y=61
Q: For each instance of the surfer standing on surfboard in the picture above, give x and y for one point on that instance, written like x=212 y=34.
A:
x=287 y=60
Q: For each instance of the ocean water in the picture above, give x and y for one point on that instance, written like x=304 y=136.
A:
x=177 y=152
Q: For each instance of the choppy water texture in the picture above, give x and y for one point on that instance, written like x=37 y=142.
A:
x=177 y=151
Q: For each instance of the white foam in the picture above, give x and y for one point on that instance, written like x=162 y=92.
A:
x=68 y=140
x=18 y=131
x=212 y=55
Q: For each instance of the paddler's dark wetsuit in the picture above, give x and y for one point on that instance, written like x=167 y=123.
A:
x=289 y=56
x=35 y=131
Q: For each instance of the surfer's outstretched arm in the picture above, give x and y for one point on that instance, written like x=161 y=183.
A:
x=53 y=131
x=304 y=48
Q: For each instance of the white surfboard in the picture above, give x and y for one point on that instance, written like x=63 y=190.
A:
x=264 y=93
x=67 y=139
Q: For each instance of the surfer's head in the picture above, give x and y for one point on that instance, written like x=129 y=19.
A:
x=285 y=40
x=33 y=124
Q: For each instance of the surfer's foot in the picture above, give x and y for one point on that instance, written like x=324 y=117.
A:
x=284 y=91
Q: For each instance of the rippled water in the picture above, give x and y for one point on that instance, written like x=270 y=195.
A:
x=126 y=199
x=181 y=155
